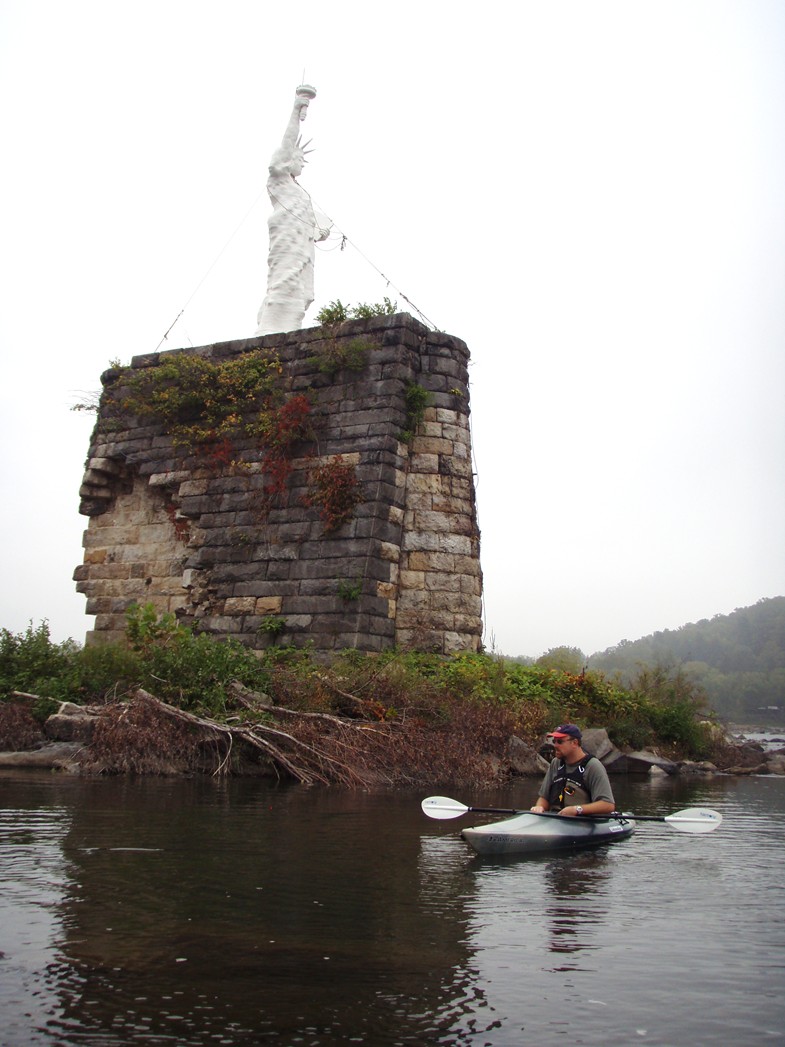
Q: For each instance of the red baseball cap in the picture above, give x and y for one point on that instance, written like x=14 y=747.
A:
x=566 y=730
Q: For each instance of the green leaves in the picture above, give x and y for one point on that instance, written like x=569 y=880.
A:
x=336 y=312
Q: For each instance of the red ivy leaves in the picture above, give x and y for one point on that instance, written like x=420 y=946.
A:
x=291 y=422
x=335 y=491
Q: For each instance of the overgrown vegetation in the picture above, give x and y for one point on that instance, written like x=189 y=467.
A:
x=335 y=492
x=336 y=312
x=350 y=591
x=416 y=399
x=216 y=408
x=336 y=356
x=393 y=717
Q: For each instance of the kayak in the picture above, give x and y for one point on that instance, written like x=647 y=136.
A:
x=535 y=833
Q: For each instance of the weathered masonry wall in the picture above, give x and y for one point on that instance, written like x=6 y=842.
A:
x=169 y=528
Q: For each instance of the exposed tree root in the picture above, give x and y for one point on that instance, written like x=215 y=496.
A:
x=303 y=761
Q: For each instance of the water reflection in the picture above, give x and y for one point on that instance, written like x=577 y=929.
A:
x=575 y=913
x=185 y=913
x=197 y=915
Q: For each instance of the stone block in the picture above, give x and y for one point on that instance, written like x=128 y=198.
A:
x=419 y=541
x=110 y=571
x=471 y=584
x=431 y=561
x=439 y=618
x=458 y=434
x=454 y=465
x=240 y=605
x=467 y=565
x=457 y=544
x=431 y=445
x=191 y=488
x=425 y=520
x=299 y=623
x=442 y=581
x=447 y=502
x=420 y=483
x=168 y=479
x=221 y=624
x=412 y=579
x=390 y=552
x=420 y=502
x=424 y=463
x=469 y=624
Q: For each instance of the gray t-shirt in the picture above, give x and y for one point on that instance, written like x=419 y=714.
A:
x=595 y=779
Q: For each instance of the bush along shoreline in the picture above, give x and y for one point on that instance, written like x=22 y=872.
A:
x=172 y=701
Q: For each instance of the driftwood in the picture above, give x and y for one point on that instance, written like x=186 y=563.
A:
x=302 y=760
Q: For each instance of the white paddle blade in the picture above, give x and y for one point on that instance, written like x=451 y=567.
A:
x=695 y=820
x=443 y=807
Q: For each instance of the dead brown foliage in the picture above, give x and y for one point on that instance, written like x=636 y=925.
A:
x=148 y=736
x=138 y=737
x=19 y=730
x=413 y=750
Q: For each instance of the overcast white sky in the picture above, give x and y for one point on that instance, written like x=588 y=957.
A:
x=590 y=194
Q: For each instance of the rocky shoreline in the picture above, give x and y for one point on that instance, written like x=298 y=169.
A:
x=65 y=739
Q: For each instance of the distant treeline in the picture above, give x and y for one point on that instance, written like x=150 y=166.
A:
x=738 y=659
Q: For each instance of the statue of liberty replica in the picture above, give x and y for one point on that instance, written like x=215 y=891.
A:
x=294 y=227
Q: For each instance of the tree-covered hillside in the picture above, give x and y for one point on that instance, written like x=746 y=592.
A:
x=738 y=658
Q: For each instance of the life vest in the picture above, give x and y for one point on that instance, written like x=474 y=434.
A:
x=568 y=788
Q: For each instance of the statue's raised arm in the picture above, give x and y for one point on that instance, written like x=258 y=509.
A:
x=290 y=150
x=293 y=230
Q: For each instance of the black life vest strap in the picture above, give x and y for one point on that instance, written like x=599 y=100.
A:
x=563 y=778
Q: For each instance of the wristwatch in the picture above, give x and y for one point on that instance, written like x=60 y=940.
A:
x=579 y=810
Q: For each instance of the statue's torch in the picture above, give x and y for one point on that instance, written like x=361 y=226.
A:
x=305 y=93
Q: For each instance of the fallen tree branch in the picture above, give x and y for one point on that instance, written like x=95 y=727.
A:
x=307 y=763
x=253 y=700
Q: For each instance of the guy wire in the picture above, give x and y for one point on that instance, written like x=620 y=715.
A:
x=344 y=240
x=215 y=262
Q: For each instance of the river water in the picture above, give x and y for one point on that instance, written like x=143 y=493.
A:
x=202 y=913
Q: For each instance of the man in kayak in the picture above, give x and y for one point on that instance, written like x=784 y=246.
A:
x=576 y=783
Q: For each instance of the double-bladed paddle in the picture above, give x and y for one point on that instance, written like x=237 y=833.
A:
x=690 y=820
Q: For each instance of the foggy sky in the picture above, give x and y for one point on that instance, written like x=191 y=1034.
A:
x=589 y=194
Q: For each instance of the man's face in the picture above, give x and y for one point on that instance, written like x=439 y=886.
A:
x=566 y=747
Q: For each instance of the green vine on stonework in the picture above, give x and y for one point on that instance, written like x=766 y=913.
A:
x=349 y=591
x=348 y=356
x=200 y=401
x=208 y=407
x=416 y=399
x=335 y=492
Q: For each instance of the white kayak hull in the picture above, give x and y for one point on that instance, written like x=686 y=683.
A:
x=536 y=833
